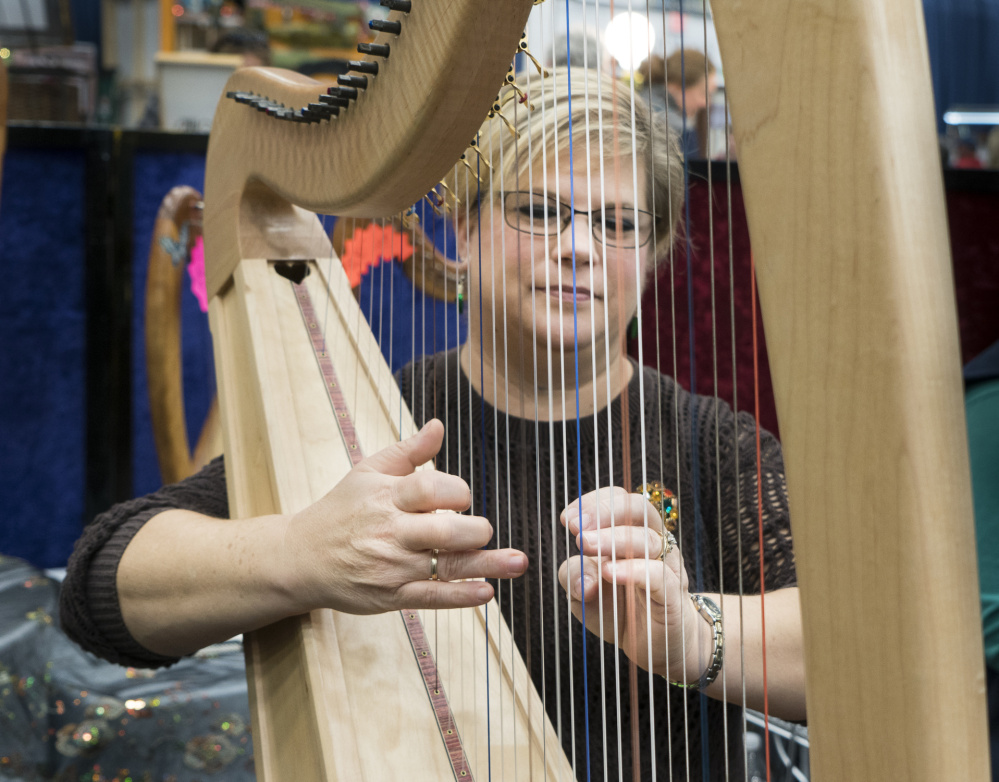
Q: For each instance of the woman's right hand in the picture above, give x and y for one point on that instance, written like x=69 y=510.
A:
x=366 y=546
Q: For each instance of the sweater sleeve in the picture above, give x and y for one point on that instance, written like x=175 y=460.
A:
x=89 y=610
x=751 y=495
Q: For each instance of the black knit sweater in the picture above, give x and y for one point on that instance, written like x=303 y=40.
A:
x=522 y=474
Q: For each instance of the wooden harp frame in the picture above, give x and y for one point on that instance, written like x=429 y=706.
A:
x=178 y=225
x=833 y=116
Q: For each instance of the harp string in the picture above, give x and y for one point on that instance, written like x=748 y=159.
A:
x=714 y=365
x=735 y=410
x=593 y=356
x=496 y=392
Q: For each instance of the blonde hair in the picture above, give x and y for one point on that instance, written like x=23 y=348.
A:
x=580 y=106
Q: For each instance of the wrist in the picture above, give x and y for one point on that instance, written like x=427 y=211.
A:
x=704 y=644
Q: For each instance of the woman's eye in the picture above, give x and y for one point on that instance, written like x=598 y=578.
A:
x=539 y=211
x=624 y=225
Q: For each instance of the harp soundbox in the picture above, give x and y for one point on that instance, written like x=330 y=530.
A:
x=833 y=114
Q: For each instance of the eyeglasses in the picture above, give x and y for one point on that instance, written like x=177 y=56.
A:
x=531 y=212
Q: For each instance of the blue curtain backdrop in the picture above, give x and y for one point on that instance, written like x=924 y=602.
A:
x=963 y=39
x=43 y=360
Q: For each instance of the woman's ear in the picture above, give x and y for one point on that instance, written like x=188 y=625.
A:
x=460 y=225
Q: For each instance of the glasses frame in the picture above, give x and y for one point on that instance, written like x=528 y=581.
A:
x=566 y=213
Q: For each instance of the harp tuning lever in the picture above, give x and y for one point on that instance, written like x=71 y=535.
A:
x=522 y=48
x=509 y=125
x=474 y=146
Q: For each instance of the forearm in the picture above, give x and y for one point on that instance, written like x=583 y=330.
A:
x=186 y=581
x=785 y=667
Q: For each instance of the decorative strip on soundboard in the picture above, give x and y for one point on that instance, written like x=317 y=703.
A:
x=414 y=628
x=435 y=689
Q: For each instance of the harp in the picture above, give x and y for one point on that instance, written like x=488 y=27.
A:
x=873 y=432
x=178 y=225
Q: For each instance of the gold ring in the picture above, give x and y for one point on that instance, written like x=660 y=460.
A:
x=668 y=543
x=433 y=565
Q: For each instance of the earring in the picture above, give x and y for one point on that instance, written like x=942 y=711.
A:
x=460 y=286
x=633 y=328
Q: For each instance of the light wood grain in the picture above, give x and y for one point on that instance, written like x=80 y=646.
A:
x=380 y=156
x=343 y=694
x=164 y=364
x=339 y=697
x=833 y=112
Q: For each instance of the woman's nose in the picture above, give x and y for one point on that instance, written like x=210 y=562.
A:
x=577 y=239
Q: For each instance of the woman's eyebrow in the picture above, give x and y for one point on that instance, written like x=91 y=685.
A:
x=610 y=205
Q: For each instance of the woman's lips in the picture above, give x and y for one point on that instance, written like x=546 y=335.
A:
x=566 y=293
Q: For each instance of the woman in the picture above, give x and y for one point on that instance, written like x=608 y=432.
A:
x=554 y=280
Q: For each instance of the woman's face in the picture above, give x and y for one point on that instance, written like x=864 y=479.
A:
x=526 y=277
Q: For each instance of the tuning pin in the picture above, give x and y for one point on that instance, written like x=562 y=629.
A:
x=334 y=98
x=398 y=5
x=374 y=49
x=352 y=81
x=323 y=110
x=369 y=67
x=522 y=47
x=385 y=26
x=343 y=92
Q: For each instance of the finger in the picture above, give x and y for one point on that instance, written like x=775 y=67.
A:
x=641 y=574
x=440 y=594
x=444 y=531
x=580 y=577
x=430 y=490
x=622 y=543
x=611 y=507
x=403 y=457
x=492 y=563
x=587 y=610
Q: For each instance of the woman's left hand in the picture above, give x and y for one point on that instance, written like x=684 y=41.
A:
x=652 y=618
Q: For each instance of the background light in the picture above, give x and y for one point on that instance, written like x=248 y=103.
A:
x=972 y=117
x=629 y=38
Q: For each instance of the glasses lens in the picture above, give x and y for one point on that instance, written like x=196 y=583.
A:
x=620 y=228
x=532 y=212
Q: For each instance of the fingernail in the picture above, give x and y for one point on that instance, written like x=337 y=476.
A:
x=516 y=561
x=586 y=521
x=590 y=539
x=588 y=581
x=484 y=592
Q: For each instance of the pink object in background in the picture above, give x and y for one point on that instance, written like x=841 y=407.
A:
x=196 y=268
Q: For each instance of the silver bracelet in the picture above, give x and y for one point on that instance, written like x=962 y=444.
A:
x=707 y=608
